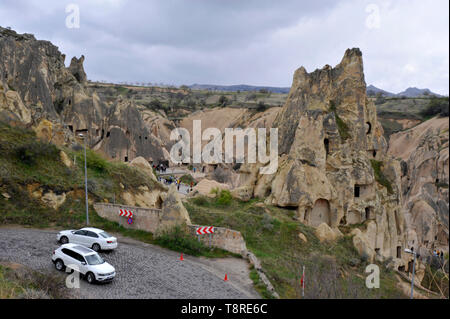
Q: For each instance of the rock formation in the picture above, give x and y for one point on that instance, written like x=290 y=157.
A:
x=173 y=211
x=333 y=166
x=424 y=154
x=36 y=86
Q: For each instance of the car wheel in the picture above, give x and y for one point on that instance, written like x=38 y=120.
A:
x=64 y=240
x=96 y=247
x=59 y=265
x=90 y=278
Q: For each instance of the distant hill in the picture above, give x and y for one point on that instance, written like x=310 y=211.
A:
x=415 y=92
x=376 y=90
x=240 y=87
x=409 y=92
x=371 y=90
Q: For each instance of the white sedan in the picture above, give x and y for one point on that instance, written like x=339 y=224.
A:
x=94 y=238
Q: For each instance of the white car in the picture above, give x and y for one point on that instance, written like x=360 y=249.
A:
x=94 y=238
x=85 y=261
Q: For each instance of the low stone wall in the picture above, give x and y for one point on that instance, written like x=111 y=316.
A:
x=224 y=238
x=147 y=219
x=257 y=264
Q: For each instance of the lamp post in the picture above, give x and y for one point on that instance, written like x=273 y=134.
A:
x=409 y=251
x=85 y=179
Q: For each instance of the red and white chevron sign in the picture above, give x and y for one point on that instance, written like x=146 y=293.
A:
x=125 y=213
x=205 y=230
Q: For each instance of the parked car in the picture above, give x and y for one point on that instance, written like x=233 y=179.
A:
x=84 y=260
x=94 y=238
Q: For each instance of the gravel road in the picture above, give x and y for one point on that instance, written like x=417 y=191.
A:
x=143 y=270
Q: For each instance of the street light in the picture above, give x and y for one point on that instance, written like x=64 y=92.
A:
x=409 y=251
x=85 y=179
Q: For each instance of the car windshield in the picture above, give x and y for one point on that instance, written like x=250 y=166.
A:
x=94 y=259
x=105 y=235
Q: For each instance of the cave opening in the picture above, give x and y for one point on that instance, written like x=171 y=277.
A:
x=357 y=191
x=326 y=143
x=369 y=128
x=367 y=209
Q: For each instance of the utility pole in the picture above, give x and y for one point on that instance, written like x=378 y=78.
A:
x=412 y=280
x=411 y=251
x=303 y=282
x=85 y=180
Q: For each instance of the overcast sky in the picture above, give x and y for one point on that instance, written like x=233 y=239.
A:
x=404 y=42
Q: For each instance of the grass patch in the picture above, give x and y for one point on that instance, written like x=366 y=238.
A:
x=259 y=285
x=178 y=239
x=122 y=90
x=380 y=177
x=272 y=234
x=29 y=284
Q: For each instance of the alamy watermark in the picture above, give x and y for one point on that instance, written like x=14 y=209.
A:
x=73 y=17
x=212 y=153
x=373 y=19
x=73 y=279
x=373 y=279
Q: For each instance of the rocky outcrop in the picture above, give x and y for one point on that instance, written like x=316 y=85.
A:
x=206 y=186
x=424 y=155
x=144 y=165
x=333 y=168
x=173 y=211
x=324 y=233
x=35 y=85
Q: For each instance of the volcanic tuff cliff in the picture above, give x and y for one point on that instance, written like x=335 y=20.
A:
x=424 y=154
x=333 y=164
x=37 y=89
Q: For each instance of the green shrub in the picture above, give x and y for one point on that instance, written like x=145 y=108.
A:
x=187 y=179
x=200 y=201
x=441 y=185
x=343 y=129
x=93 y=161
x=379 y=176
x=261 y=107
x=436 y=106
x=223 y=100
x=224 y=198
x=30 y=153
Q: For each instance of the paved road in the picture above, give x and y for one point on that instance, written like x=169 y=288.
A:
x=143 y=270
